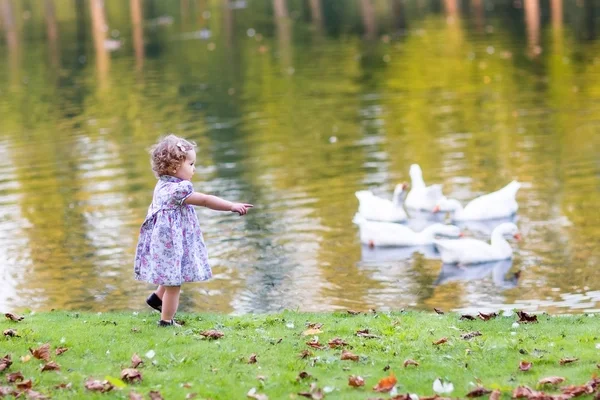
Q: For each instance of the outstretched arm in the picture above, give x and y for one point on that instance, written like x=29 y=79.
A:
x=216 y=203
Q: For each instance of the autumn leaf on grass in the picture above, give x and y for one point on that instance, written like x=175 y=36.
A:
x=467 y=317
x=567 y=360
x=33 y=395
x=5 y=390
x=10 y=333
x=314 y=325
x=302 y=375
x=155 y=395
x=470 y=335
x=525 y=365
x=337 y=342
x=15 y=377
x=487 y=317
x=314 y=392
x=410 y=362
x=365 y=333
x=356 y=381
x=575 y=391
x=439 y=311
x=60 y=350
x=253 y=394
x=523 y=391
x=312 y=331
x=25 y=385
x=212 y=334
x=98 y=386
x=495 y=395
x=135 y=396
x=14 y=317
x=478 y=392
x=440 y=341
x=346 y=355
x=41 y=353
x=305 y=354
x=314 y=343
x=252 y=359
x=352 y=312
x=386 y=384
x=525 y=318
x=131 y=375
x=552 y=380
x=191 y=395
x=5 y=362
x=51 y=366
x=135 y=360
x=63 y=386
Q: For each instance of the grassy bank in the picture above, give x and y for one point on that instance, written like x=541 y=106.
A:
x=182 y=363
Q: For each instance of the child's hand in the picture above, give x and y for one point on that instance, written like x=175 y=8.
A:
x=240 y=208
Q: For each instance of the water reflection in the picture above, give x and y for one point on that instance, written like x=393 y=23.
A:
x=378 y=254
x=495 y=270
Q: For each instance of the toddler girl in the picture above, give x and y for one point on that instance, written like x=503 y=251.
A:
x=170 y=248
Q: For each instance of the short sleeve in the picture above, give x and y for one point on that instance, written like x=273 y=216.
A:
x=181 y=191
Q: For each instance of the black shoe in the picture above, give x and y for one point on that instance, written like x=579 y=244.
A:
x=155 y=302
x=168 y=323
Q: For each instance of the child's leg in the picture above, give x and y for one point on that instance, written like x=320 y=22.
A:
x=160 y=291
x=170 y=302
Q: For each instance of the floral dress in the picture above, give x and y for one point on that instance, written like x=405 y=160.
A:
x=171 y=248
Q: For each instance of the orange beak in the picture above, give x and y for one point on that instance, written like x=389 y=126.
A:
x=436 y=209
x=404 y=185
x=461 y=234
x=517 y=236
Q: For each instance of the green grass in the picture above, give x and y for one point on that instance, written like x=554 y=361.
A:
x=101 y=345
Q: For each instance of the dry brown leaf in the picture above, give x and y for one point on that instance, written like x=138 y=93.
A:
x=440 y=341
x=33 y=395
x=314 y=343
x=346 y=355
x=63 y=386
x=524 y=365
x=24 y=385
x=60 y=350
x=305 y=354
x=98 y=386
x=410 y=362
x=495 y=395
x=5 y=362
x=15 y=377
x=14 y=317
x=386 y=384
x=135 y=396
x=439 y=311
x=191 y=395
x=468 y=317
x=135 y=360
x=252 y=359
x=525 y=318
x=470 y=335
x=478 y=392
x=155 y=395
x=352 y=312
x=131 y=375
x=314 y=325
x=10 y=333
x=552 y=380
x=41 y=353
x=522 y=391
x=337 y=342
x=365 y=333
x=314 y=393
x=487 y=317
x=211 y=334
x=302 y=375
x=567 y=360
x=575 y=391
x=253 y=394
x=356 y=381
x=312 y=331
x=51 y=366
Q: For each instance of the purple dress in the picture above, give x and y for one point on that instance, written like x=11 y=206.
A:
x=170 y=248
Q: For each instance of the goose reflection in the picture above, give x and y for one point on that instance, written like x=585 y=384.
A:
x=379 y=254
x=497 y=270
x=485 y=226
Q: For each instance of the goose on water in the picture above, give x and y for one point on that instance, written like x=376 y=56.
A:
x=375 y=208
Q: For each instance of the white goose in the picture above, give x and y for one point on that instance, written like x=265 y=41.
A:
x=375 y=208
x=472 y=251
x=387 y=234
x=422 y=197
x=498 y=204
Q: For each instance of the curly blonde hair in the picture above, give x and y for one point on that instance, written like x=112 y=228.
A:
x=168 y=154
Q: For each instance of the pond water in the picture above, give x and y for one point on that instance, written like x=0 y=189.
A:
x=295 y=106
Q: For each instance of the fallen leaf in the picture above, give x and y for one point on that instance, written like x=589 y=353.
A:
x=98 y=386
x=187 y=385
x=60 y=350
x=211 y=334
x=439 y=311
x=352 y=312
x=131 y=375
x=135 y=360
x=135 y=396
x=468 y=317
x=524 y=365
x=41 y=353
x=10 y=333
x=303 y=375
x=346 y=355
x=5 y=362
x=314 y=325
x=315 y=393
x=155 y=395
x=33 y=395
x=575 y=391
x=6 y=390
x=440 y=341
x=386 y=384
x=356 y=381
x=522 y=391
x=51 y=366
x=525 y=318
x=25 y=385
x=253 y=394
x=252 y=359
x=470 y=335
x=15 y=377
x=478 y=392
x=337 y=342
x=14 y=317
x=552 y=380
x=495 y=395
x=305 y=354
x=410 y=362
x=487 y=317
x=314 y=343
x=365 y=333
x=312 y=331
x=63 y=386
x=567 y=360
x=191 y=395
